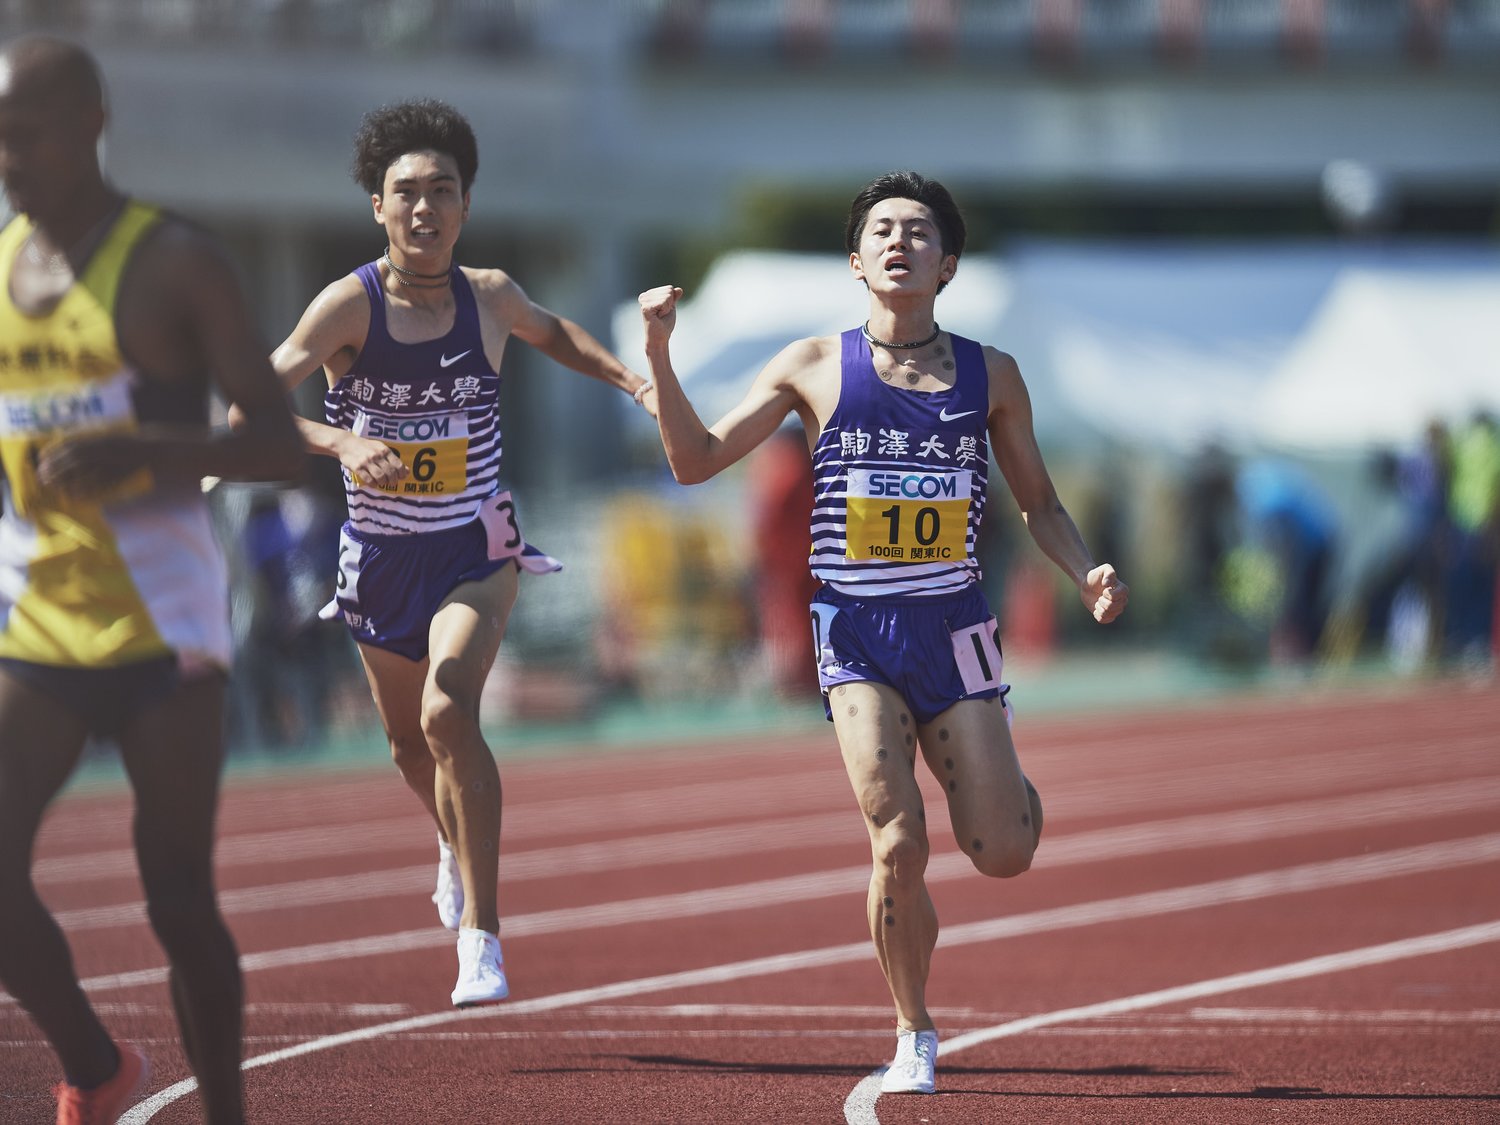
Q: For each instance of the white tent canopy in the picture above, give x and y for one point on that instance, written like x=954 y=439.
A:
x=1158 y=344
x=1387 y=353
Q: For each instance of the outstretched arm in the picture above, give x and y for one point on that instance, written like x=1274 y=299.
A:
x=1013 y=440
x=694 y=451
x=568 y=343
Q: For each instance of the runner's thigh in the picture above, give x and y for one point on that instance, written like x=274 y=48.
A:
x=40 y=743
x=877 y=736
x=467 y=630
x=173 y=752
x=969 y=750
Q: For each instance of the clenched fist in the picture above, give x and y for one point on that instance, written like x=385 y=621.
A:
x=1104 y=595
x=659 y=311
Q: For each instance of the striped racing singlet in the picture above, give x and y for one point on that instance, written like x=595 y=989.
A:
x=900 y=479
x=436 y=404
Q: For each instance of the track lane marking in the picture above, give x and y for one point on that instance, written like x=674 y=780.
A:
x=1096 y=845
x=859 y=1107
x=1299 y=878
x=795 y=888
x=1156 y=790
x=684 y=804
x=540 y=863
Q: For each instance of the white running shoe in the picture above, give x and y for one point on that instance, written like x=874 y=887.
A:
x=449 y=895
x=911 y=1071
x=481 y=970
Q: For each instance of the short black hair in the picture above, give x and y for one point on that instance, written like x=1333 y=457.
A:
x=917 y=187
x=387 y=134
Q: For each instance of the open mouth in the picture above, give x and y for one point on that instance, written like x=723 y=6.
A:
x=897 y=267
x=424 y=234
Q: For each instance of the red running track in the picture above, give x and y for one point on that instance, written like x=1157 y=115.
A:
x=1261 y=908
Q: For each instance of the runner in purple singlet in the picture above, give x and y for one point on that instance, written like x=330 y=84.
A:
x=411 y=346
x=902 y=420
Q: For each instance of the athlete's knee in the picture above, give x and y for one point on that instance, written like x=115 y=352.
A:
x=447 y=720
x=409 y=752
x=181 y=912
x=900 y=847
x=1001 y=858
x=1034 y=799
x=1005 y=850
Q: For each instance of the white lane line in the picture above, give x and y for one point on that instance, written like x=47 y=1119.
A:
x=1209 y=829
x=539 y=863
x=849 y=880
x=1264 y=1016
x=859 y=1108
x=1306 y=877
x=700 y=803
x=784 y=794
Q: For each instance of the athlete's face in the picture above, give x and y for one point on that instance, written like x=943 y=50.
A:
x=423 y=206
x=47 y=144
x=901 y=250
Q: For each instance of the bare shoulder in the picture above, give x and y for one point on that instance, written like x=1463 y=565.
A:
x=813 y=349
x=805 y=360
x=493 y=287
x=808 y=370
x=1007 y=388
x=179 y=289
x=177 y=256
x=1000 y=365
x=344 y=300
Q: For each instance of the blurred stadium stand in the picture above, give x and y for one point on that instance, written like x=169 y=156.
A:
x=606 y=125
x=612 y=129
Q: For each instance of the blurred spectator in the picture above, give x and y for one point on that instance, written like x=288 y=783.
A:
x=292 y=662
x=1402 y=599
x=674 y=618
x=1288 y=515
x=1210 y=515
x=781 y=484
x=1474 y=508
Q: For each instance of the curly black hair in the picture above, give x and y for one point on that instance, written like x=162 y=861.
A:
x=387 y=134
x=917 y=187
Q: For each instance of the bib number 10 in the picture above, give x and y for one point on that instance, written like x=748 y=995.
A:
x=926 y=525
x=908 y=530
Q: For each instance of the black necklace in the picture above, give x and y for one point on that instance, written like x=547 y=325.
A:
x=936 y=332
x=417 y=280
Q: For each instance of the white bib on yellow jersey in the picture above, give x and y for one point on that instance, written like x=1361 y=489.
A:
x=135 y=574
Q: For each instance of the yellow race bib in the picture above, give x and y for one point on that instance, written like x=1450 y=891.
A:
x=434 y=448
x=908 y=515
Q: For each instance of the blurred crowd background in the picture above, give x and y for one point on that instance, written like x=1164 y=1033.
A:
x=1245 y=252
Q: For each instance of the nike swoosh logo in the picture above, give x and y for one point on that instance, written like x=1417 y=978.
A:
x=449 y=361
x=946 y=417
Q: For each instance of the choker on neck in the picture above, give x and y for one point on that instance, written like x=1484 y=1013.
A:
x=413 y=278
x=936 y=332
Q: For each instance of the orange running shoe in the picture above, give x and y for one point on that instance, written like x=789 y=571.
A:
x=104 y=1104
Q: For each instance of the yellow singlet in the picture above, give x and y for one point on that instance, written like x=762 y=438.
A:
x=135 y=574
